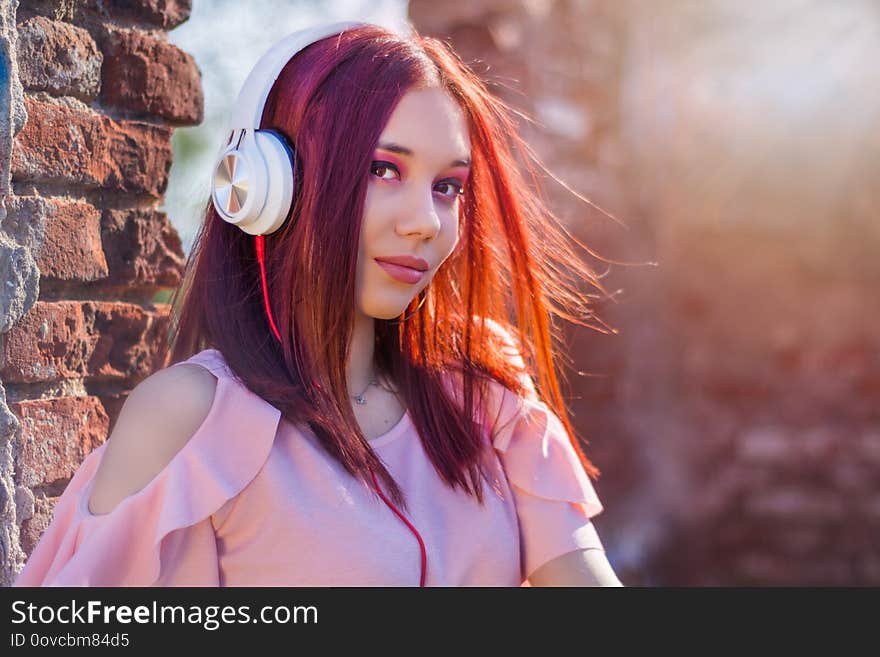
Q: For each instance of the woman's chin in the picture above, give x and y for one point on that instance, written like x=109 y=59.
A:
x=388 y=312
x=390 y=315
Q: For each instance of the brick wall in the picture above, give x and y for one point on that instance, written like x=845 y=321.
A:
x=92 y=94
x=763 y=196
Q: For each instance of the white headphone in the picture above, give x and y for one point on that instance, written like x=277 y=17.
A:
x=253 y=177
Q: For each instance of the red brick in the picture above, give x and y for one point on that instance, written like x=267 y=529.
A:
x=59 y=58
x=99 y=340
x=72 y=249
x=56 y=435
x=48 y=343
x=144 y=74
x=62 y=143
x=142 y=248
x=160 y=13
x=133 y=340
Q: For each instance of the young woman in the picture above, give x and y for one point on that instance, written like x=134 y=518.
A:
x=349 y=402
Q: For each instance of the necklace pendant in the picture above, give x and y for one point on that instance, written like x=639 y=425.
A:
x=360 y=400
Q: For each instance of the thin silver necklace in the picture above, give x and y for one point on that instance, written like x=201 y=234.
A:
x=360 y=399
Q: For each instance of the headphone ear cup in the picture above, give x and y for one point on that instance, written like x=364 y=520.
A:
x=253 y=182
x=280 y=183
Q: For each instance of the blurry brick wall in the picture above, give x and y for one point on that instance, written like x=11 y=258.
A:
x=92 y=94
x=736 y=414
x=764 y=199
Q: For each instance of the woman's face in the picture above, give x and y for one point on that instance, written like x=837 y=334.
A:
x=417 y=174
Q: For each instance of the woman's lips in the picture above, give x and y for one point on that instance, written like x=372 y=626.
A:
x=401 y=273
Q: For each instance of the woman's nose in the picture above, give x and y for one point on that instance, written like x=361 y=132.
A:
x=419 y=215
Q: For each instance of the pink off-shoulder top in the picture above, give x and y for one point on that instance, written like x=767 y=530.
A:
x=252 y=500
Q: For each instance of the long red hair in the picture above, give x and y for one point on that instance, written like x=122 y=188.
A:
x=513 y=264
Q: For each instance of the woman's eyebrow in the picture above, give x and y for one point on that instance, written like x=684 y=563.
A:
x=403 y=150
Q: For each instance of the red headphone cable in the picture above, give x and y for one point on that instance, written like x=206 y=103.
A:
x=408 y=524
x=261 y=256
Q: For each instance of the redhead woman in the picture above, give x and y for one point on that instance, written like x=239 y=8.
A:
x=359 y=388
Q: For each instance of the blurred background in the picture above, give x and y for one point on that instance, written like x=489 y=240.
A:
x=730 y=395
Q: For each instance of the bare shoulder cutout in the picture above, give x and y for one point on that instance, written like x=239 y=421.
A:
x=158 y=418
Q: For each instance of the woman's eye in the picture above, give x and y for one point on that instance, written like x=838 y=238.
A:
x=457 y=190
x=382 y=167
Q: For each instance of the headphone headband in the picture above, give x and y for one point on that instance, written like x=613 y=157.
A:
x=248 y=108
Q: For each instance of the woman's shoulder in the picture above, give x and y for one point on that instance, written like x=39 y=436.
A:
x=159 y=416
x=186 y=389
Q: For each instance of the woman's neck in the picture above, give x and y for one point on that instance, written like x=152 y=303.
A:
x=360 y=367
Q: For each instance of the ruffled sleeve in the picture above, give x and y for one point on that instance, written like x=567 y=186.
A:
x=162 y=535
x=553 y=494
